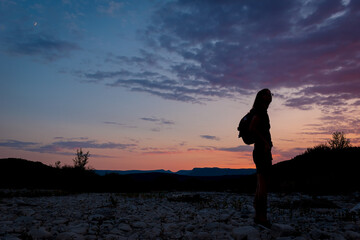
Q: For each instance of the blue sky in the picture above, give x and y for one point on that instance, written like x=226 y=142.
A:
x=163 y=84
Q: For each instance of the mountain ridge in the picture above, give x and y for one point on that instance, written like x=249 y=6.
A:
x=205 y=171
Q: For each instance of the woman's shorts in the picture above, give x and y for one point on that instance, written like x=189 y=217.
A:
x=262 y=160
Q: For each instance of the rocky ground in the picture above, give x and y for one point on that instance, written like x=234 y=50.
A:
x=177 y=216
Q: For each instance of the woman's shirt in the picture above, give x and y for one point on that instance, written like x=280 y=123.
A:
x=263 y=128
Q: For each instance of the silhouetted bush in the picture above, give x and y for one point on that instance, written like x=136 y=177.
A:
x=81 y=159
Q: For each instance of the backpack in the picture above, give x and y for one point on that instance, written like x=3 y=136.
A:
x=244 y=128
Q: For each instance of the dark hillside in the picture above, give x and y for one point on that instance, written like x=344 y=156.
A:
x=19 y=173
x=319 y=171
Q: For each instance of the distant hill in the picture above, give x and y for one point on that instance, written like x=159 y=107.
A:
x=20 y=173
x=216 y=172
x=194 y=172
x=126 y=172
x=16 y=173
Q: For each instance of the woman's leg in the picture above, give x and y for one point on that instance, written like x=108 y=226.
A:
x=260 y=201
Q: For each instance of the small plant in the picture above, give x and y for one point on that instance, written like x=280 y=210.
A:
x=113 y=201
x=81 y=159
x=339 y=141
x=57 y=164
x=237 y=204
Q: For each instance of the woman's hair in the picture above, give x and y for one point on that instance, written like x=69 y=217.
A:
x=260 y=102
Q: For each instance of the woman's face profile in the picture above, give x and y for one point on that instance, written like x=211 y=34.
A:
x=267 y=97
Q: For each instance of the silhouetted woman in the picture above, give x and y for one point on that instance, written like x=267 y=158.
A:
x=260 y=128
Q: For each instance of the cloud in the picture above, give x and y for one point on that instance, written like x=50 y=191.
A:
x=220 y=49
x=159 y=151
x=145 y=58
x=74 y=138
x=32 y=29
x=102 y=75
x=209 y=137
x=150 y=119
x=70 y=144
x=111 y=123
x=41 y=45
x=110 y=8
x=62 y=145
x=160 y=121
x=170 y=88
x=241 y=148
x=17 y=144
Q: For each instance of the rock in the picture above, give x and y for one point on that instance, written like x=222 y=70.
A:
x=91 y=237
x=24 y=220
x=336 y=236
x=190 y=227
x=225 y=217
x=106 y=227
x=10 y=238
x=355 y=209
x=114 y=237
x=318 y=234
x=282 y=230
x=154 y=232
x=170 y=227
x=134 y=236
x=245 y=233
x=247 y=209
x=125 y=227
x=220 y=234
x=5 y=227
x=69 y=236
x=189 y=235
x=96 y=217
x=40 y=233
x=81 y=228
x=139 y=225
x=155 y=217
x=300 y=238
x=351 y=235
x=203 y=235
x=60 y=221
x=27 y=212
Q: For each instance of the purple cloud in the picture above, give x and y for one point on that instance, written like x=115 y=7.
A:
x=119 y=124
x=17 y=144
x=198 y=51
x=241 y=148
x=47 y=47
x=229 y=47
x=86 y=144
x=160 y=121
x=209 y=137
x=60 y=147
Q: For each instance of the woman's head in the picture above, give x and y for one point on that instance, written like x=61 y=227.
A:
x=263 y=99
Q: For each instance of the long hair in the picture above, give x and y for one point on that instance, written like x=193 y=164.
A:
x=259 y=102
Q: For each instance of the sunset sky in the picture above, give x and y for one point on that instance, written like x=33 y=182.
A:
x=163 y=84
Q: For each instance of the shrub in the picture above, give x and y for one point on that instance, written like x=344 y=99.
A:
x=81 y=159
